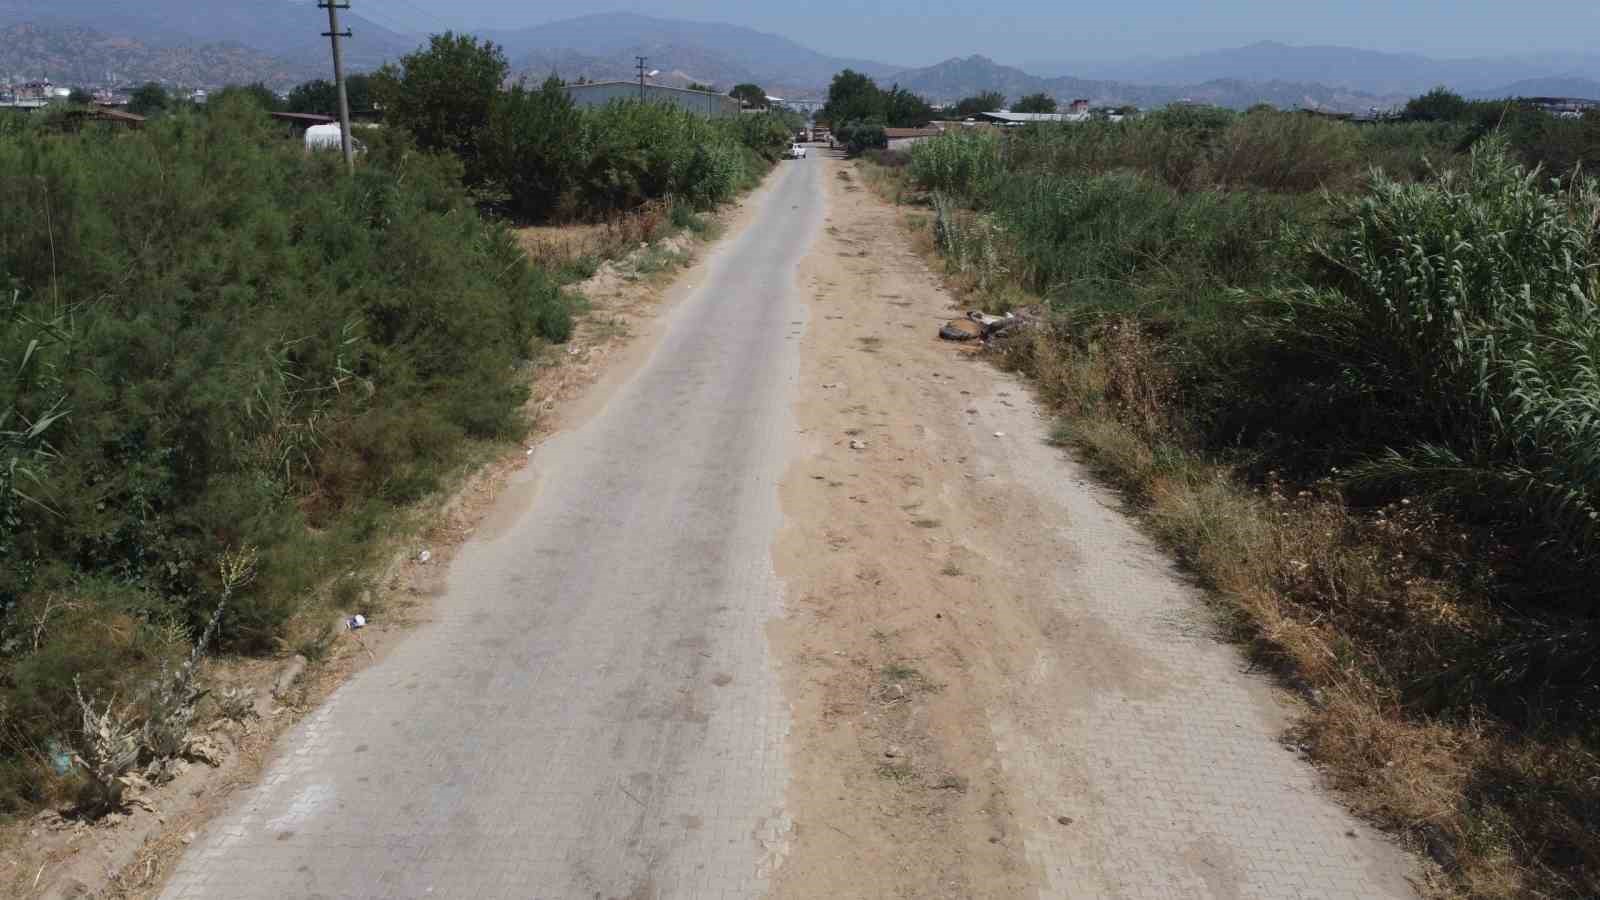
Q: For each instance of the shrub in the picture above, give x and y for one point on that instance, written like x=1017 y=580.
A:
x=962 y=161
x=1461 y=315
x=859 y=137
x=643 y=151
x=534 y=146
x=217 y=341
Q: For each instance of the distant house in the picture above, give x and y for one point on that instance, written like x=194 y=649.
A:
x=300 y=122
x=1080 y=106
x=1561 y=107
x=600 y=93
x=901 y=138
x=804 y=107
x=1015 y=119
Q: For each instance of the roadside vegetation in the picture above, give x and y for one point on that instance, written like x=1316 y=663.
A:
x=1350 y=375
x=234 y=371
x=545 y=159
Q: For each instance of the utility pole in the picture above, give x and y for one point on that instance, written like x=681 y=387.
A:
x=641 y=60
x=334 y=34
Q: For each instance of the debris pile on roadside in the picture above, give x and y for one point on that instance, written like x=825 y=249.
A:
x=979 y=326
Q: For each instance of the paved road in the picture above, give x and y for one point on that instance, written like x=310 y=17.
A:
x=593 y=712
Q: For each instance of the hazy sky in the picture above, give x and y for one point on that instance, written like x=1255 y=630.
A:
x=916 y=32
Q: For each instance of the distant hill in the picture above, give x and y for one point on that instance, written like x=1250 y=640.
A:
x=70 y=55
x=1349 y=68
x=707 y=51
x=957 y=78
x=1586 y=88
x=678 y=64
x=280 y=42
x=289 y=29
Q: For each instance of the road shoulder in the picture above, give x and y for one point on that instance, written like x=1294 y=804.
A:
x=1000 y=688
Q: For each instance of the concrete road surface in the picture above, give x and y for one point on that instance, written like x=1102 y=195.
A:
x=593 y=712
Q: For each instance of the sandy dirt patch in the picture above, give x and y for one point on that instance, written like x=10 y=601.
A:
x=1000 y=688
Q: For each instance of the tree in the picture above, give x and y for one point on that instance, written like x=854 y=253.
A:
x=988 y=101
x=697 y=86
x=1438 y=105
x=903 y=109
x=1035 y=103
x=80 y=97
x=750 y=95
x=853 y=97
x=444 y=94
x=321 y=97
x=533 y=146
x=259 y=94
x=149 y=99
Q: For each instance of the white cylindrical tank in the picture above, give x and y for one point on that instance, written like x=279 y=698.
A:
x=324 y=137
x=330 y=137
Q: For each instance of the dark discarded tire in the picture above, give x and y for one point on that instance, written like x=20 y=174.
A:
x=961 y=330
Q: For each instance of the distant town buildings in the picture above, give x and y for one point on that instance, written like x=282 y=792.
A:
x=803 y=107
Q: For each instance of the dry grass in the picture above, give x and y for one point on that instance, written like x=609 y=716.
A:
x=561 y=248
x=1350 y=608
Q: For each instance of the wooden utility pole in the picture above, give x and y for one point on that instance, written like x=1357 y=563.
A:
x=334 y=34
x=641 y=60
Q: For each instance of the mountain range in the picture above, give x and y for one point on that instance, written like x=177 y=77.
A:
x=277 y=42
x=956 y=78
x=280 y=42
x=1367 y=71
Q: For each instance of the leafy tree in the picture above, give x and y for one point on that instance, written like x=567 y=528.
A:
x=697 y=86
x=750 y=95
x=903 y=109
x=257 y=93
x=853 y=97
x=1035 y=103
x=443 y=95
x=80 y=97
x=321 y=97
x=534 y=148
x=149 y=99
x=1438 y=105
x=988 y=101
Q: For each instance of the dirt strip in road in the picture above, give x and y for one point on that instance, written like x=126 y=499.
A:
x=999 y=688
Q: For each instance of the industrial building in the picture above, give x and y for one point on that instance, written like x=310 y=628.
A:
x=599 y=93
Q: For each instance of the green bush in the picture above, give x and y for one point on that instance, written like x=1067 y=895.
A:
x=219 y=342
x=961 y=161
x=1462 y=316
x=555 y=161
x=644 y=151
x=534 y=145
x=859 y=137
